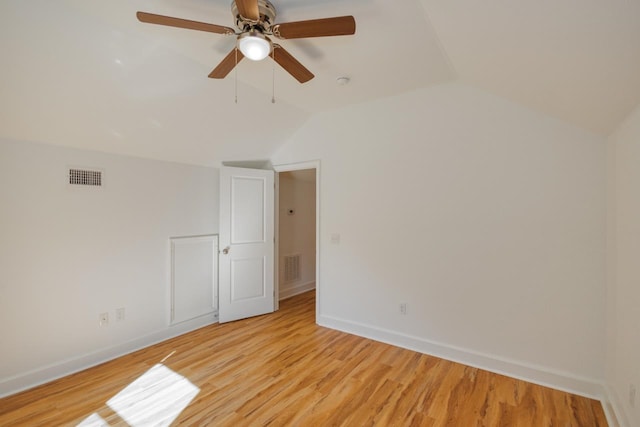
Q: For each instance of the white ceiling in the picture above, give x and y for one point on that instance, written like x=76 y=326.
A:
x=578 y=60
x=86 y=73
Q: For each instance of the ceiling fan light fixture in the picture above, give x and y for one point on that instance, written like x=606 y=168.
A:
x=254 y=45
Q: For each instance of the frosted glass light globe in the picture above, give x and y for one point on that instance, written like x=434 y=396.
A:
x=254 y=45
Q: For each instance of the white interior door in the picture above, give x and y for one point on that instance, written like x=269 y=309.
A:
x=246 y=242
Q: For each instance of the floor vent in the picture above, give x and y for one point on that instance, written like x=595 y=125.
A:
x=85 y=177
x=291 y=268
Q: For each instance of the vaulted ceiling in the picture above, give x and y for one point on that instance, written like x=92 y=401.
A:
x=86 y=73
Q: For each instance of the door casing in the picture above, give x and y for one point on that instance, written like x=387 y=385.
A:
x=315 y=164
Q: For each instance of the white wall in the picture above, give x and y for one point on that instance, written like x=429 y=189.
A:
x=486 y=218
x=623 y=332
x=68 y=254
x=297 y=232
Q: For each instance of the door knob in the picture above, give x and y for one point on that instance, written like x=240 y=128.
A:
x=226 y=250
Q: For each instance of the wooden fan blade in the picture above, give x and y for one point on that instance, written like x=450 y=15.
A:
x=248 y=9
x=291 y=64
x=227 y=64
x=338 y=26
x=151 y=18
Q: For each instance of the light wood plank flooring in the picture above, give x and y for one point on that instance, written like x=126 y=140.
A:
x=282 y=369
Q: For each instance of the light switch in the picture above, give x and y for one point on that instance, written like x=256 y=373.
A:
x=335 y=238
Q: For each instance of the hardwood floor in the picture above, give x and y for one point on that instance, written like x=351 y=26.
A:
x=283 y=369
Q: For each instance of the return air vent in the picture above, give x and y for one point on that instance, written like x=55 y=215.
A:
x=291 y=268
x=85 y=177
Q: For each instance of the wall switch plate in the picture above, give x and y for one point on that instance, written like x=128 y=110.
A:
x=103 y=319
x=403 y=308
x=120 y=314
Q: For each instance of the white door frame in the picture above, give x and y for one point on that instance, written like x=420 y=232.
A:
x=314 y=164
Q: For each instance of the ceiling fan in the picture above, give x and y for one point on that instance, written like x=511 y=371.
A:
x=255 y=21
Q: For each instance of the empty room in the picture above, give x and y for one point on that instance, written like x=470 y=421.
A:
x=296 y=212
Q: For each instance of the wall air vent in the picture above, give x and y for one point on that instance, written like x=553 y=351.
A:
x=291 y=268
x=91 y=178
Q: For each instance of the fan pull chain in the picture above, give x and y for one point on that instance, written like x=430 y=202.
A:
x=235 y=73
x=273 y=77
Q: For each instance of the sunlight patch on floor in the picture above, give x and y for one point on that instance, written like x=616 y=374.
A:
x=156 y=398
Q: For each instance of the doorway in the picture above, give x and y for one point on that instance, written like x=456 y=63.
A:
x=297 y=243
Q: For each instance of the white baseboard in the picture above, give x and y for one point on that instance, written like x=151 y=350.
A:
x=559 y=380
x=616 y=416
x=18 y=383
x=295 y=290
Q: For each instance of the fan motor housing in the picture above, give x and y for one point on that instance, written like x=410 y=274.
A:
x=267 y=17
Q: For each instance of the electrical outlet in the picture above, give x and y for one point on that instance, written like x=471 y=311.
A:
x=403 y=308
x=103 y=319
x=632 y=395
x=120 y=314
